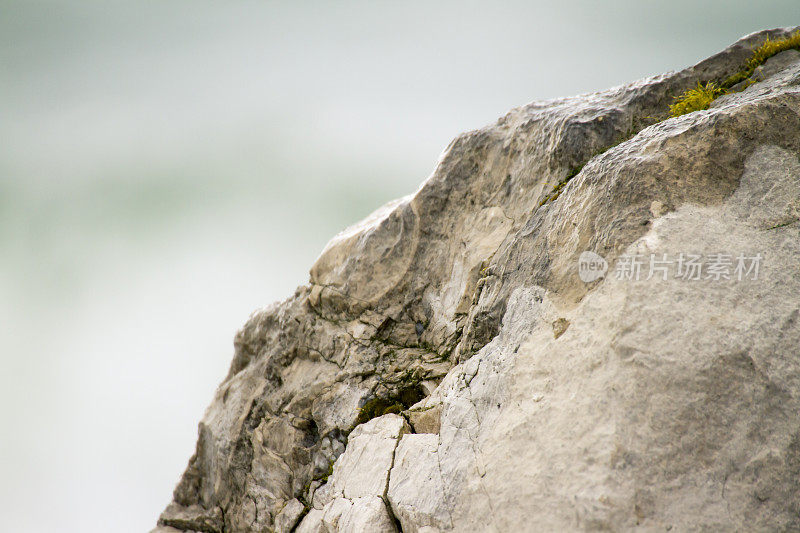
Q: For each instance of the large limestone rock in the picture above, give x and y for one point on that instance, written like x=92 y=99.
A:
x=447 y=369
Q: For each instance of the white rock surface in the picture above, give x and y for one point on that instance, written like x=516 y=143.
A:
x=416 y=483
x=363 y=469
x=312 y=523
x=367 y=513
x=540 y=402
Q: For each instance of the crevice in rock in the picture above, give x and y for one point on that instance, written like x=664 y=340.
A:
x=306 y=510
x=385 y=496
x=441 y=474
x=783 y=224
x=559 y=187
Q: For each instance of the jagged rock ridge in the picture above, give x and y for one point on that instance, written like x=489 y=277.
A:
x=447 y=369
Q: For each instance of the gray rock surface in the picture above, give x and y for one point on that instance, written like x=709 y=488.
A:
x=532 y=401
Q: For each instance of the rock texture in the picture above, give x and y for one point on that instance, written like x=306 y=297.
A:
x=446 y=369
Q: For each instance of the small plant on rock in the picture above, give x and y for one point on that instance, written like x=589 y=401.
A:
x=695 y=99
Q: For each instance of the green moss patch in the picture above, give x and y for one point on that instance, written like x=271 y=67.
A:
x=696 y=99
x=700 y=97
x=378 y=407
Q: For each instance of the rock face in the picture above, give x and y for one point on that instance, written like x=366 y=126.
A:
x=447 y=369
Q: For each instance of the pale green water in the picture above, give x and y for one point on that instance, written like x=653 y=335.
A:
x=166 y=168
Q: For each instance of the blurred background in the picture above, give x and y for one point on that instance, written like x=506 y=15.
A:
x=168 y=167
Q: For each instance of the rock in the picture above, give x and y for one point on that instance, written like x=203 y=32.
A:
x=368 y=513
x=425 y=420
x=353 y=497
x=363 y=469
x=168 y=529
x=560 y=327
x=312 y=523
x=289 y=516
x=416 y=484
x=187 y=518
x=539 y=400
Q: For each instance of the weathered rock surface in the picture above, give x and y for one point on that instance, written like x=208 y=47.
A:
x=532 y=401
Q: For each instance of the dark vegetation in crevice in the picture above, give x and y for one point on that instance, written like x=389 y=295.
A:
x=395 y=403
